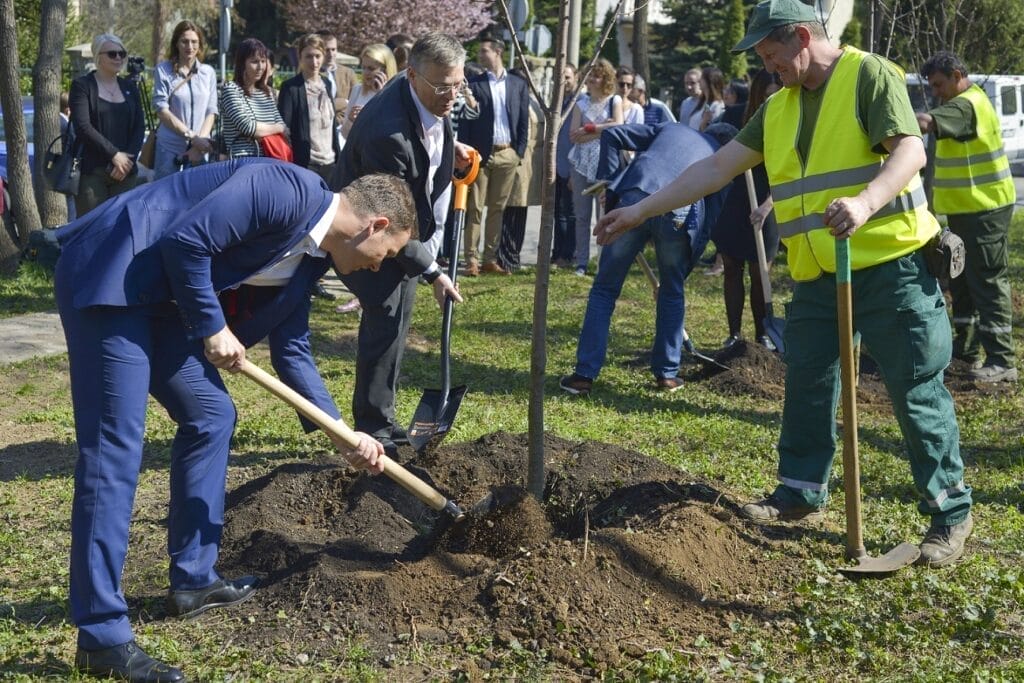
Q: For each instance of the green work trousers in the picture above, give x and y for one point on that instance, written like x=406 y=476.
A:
x=900 y=314
x=982 y=310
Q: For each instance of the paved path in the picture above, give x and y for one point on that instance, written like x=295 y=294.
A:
x=28 y=336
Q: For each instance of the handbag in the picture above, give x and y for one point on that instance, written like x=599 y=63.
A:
x=63 y=170
x=276 y=147
x=147 y=155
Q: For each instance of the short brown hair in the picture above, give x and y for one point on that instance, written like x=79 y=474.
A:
x=313 y=40
x=381 y=194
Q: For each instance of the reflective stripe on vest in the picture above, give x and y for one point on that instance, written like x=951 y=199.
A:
x=973 y=175
x=840 y=163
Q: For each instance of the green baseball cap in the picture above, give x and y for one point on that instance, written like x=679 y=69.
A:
x=769 y=15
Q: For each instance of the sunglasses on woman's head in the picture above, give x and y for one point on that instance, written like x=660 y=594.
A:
x=115 y=54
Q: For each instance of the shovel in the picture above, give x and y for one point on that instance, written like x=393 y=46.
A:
x=401 y=476
x=645 y=266
x=773 y=326
x=904 y=554
x=436 y=412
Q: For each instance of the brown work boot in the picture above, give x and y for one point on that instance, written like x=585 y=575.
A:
x=472 y=269
x=575 y=384
x=944 y=544
x=774 y=509
x=669 y=384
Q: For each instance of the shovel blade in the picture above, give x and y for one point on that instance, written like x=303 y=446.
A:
x=774 y=328
x=434 y=417
x=903 y=555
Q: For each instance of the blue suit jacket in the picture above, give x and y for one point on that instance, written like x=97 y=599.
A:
x=663 y=152
x=188 y=236
x=191 y=235
x=479 y=132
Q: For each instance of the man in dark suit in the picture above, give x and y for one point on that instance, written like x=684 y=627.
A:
x=403 y=130
x=500 y=134
x=137 y=288
x=662 y=153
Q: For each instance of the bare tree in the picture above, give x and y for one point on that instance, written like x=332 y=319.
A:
x=46 y=81
x=641 y=43
x=553 y=117
x=17 y=140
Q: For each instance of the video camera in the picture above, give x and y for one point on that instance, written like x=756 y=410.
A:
x=136 y=66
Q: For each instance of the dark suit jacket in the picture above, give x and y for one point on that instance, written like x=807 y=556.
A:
x=294 y=108
x=193 y=234
x=387 y=138
x=97 y=151
x=479 y=133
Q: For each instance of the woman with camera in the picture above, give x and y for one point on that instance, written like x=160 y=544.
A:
x=247 y=106
x=185 y=99
x=106 y=111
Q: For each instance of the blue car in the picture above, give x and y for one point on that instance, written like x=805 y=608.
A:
x=28 y=111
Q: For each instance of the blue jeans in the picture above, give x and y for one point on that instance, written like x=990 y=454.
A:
x=673 y=251
x=565 y=221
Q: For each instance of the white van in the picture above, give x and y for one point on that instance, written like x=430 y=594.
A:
x=1007 y=96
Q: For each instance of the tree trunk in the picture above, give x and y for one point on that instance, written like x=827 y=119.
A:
x=18 y=175
x=640 y=48
x=46 y=81
x=538 y=355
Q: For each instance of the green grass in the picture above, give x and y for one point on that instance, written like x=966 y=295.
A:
x=964 y=623
x=31 y=291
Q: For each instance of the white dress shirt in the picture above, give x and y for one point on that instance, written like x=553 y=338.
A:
x=499 y=99
x=433 y=142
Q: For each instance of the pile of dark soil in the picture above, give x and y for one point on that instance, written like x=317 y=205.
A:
x=759 y=373
x=625 y=554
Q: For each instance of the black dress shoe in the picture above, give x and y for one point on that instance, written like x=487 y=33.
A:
x=221 y=593
x=319 y=290
x=126 y=662
x=399 y=436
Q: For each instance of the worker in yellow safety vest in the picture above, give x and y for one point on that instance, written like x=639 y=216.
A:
x=843 y=153
x=975 y=191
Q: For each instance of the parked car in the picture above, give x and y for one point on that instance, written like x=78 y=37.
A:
x=7 y=212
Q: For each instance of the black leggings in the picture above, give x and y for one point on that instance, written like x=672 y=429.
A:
x=734 y=295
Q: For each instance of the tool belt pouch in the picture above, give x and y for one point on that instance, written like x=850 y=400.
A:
x=944 y=255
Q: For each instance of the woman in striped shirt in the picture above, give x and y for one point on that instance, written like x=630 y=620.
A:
x=247 y=106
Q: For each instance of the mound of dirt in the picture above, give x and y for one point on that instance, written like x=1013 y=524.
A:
x=620 y=557
x=757 y=372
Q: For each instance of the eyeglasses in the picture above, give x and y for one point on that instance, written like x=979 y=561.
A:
x=625 y=84
x=115 y=54
x=445 y=89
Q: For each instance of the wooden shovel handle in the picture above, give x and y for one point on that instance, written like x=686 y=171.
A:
x=851 y=456
x=338 y=428
x=762 y=260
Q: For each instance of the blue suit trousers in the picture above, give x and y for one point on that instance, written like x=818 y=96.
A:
x=118 y=356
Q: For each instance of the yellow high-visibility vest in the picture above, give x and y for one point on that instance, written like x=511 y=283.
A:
x=973 y=175
x=840 y=163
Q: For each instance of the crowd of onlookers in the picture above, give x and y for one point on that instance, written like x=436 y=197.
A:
x=199 y=120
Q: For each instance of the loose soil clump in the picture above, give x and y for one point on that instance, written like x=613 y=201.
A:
x=624 y=554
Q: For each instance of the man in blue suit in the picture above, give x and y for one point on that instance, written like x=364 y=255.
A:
x=679 y=238
x=137 y=287
x=500 y=134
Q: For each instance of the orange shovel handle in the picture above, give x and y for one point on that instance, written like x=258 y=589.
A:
x=462 y=183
